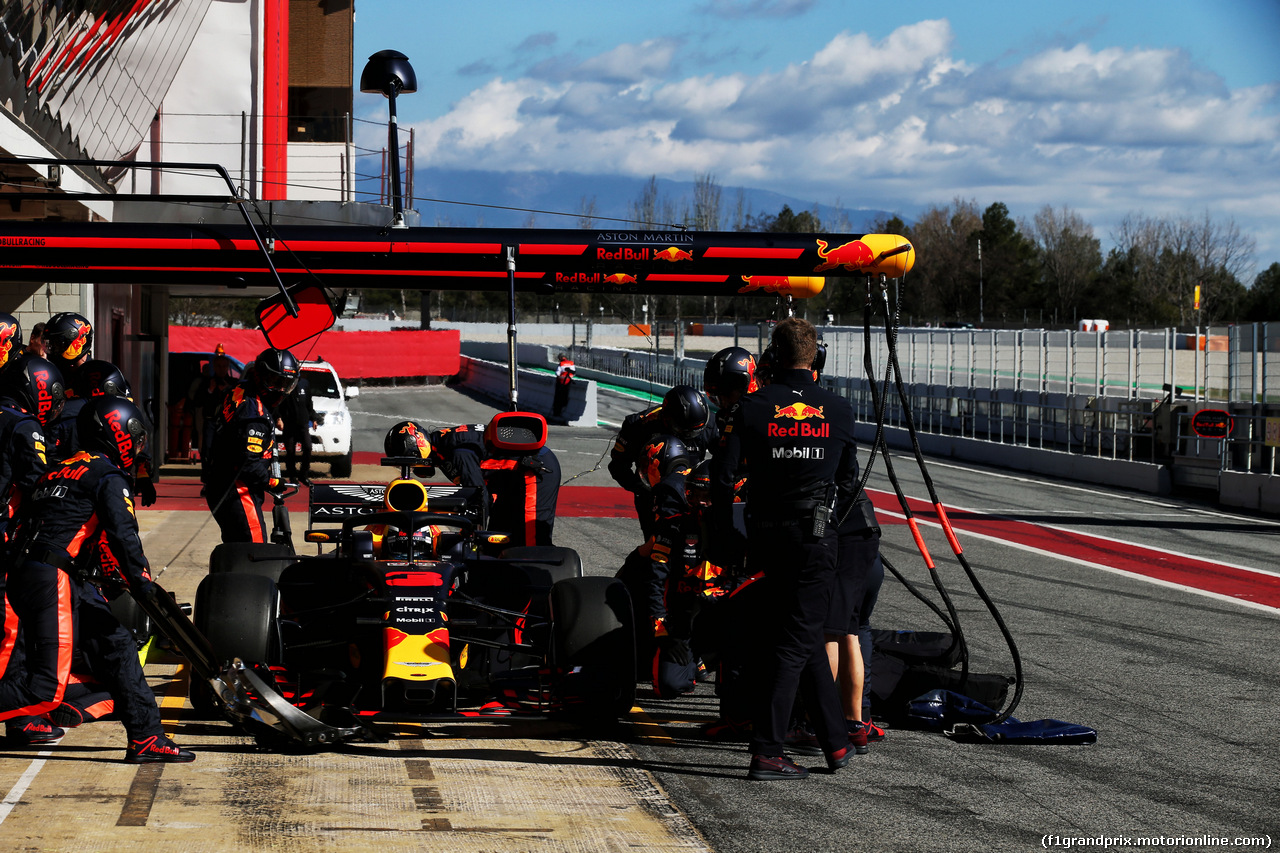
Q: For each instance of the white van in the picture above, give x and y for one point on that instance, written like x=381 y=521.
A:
x=331 y=436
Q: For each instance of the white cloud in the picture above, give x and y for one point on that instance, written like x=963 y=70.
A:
x=897 y=124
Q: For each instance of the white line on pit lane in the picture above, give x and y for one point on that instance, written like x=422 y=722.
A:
x=20 y=787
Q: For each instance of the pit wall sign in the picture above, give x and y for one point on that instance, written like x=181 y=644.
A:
x=1272 y=438
x=1212 y=423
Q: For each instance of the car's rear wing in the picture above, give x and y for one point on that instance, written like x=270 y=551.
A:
x=333 y=503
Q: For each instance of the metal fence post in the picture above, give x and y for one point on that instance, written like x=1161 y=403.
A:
x=1071 y=362
x=1133 y=363
x=1253 y=367
x=1097 y=363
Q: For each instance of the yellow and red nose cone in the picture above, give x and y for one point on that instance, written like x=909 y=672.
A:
x=893 y=255
x=889 y=254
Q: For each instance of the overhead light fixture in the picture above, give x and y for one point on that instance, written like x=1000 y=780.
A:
x=388 y=72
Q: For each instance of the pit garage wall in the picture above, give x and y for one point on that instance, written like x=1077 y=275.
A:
x=36 y=303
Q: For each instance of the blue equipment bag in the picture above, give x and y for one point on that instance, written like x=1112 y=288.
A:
x=1013 y=730
x=965 y=719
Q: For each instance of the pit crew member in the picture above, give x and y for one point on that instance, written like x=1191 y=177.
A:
x=683 y=413
x=31 y=396
x=797 y=441
x=53 y=590
x=238 y=471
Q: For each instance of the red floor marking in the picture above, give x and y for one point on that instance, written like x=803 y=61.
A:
x=1258 y=587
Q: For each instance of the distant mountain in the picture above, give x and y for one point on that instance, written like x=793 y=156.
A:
x=550 y=193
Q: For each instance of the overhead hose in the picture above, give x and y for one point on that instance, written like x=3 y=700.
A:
x=891 y=339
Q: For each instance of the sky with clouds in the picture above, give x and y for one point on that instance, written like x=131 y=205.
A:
x=1166 y=108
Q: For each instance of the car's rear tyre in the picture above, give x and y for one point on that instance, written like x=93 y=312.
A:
x=340 y=466
x=267 y=559
x=237 y=613
x=593 y=648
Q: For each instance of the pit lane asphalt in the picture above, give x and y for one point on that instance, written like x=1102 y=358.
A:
x=1180 y=687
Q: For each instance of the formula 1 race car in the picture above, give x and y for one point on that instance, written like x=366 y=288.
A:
x=415 y=614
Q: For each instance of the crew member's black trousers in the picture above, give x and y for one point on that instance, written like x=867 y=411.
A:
x=801 y=573
x=111 y=655
x=238 y=511
x=295 y=434
x=58 y=615
x=36 y=674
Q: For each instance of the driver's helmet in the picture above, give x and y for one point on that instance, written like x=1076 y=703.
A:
x=408 y=440
x=685 y=412
x=396 y=543
x=663 y=455
x=732 y=369
x=275 y=372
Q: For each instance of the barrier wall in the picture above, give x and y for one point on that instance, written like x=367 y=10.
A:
x=355 y=355
x=536 y=391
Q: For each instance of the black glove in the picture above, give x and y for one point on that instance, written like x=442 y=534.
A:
x=145 y=590
x=146 y=489
x=675 y=649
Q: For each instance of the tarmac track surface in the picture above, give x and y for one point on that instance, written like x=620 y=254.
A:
x=1153 y=620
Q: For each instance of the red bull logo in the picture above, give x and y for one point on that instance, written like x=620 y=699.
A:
x=852 y=256
x=7 y=333
x=620 y=278
x=799 y=412
x=44 y=395
x=76 y=348
x=767 y=283
x=124 y=441
x=624 y=255
x=671 y=253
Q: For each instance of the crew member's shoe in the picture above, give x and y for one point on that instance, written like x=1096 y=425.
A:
x=801 y=741
x=874 y=732
x=157 y=748
x=839 y=758
x=726 y=730
x=67 y=715
x=858 y=736
x=775 y=768
x=32 y=730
